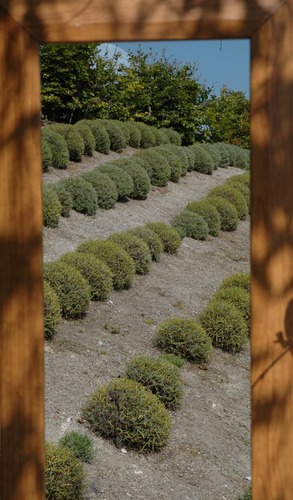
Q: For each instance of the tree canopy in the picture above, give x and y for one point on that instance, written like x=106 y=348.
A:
x=78 y=82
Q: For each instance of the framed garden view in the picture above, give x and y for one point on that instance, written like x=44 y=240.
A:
x=23 y=25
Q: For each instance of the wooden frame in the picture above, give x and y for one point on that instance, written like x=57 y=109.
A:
x=23 y=25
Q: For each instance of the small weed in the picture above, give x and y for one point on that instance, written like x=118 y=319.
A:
x=115 y=329
x=179 y=305
x=148 y=321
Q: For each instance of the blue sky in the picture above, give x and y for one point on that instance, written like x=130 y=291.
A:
x=218 y=62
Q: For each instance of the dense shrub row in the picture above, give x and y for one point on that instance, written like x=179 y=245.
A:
x=132 y=177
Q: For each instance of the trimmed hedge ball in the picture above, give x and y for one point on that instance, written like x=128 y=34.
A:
x=71 y=288
x=174 y=359
x=159 y=376
x=64 y=197
x=136 y=248
x=244 y=178
x=116 y=136
x=227 y=211
x=102 y=140
x=135 y=134
x=65 y=477
x=174 y=137
x=173 y=160
x=182 y=154
x=241 y=280
x=191 y=225
x=122 y=180
x=74 y=140
x=117 y=259
x=46 y=155
x=59 y=149
x=52 y=208
x=237 y=296
x=244 y=190
x=147 y=139
x=233 y=196
x=128 y=414
x=213 y=150
x=184 y=337
x=156 y=166
x=88 y=138
x=224 y=162
x=151 y=239
x=203 y=162
x=139 y=176
x=169 y=236
x=84 y=196
x=107 y=194
x=160 y=137
x=52 y=311
x=80 y=445
x=97 y=273
x=225 y=325
x=209 y=213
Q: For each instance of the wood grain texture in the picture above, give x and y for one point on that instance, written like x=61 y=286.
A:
x=272 y=257
x=108 y=20
x=21 y=299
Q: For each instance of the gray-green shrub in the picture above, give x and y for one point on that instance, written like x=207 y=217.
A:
x=65 y=477
x=80 y=445
x=147 y=139
x=209 y=213
x=161 y=377
x=136 y=248
x=105 y=187
x=59 y=149
x=122 y=180
x=174 y=137
x=97 y=273
x=135 y=134
x=71 y=288
x=203 y=162
x=116 y=136
x=241 y=280
x=46 y=155
x=52 y=208
x=184 y=337
x=234 y=196
x=74 y=140
x=174 y=359
x=157 y=167
x=52 y=311
x=116 y=258
x=169 y=236
x=88 y=138
x=225 y=325
x=64 y=197
x=191 y=225
x=213 y=150
x=84 y=196
x=128 y=414
x=102 y=140
x=228 y=213
x=224 y=161
x=140 y=178
x=151 y=239
x=173 y=160
x=237 y=296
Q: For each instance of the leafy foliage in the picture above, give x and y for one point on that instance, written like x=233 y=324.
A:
x=128 y=414
x=184 y=337
x=159 y=376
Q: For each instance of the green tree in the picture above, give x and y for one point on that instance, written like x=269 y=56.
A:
x=67 y=78
x=162 y=93
x=226 y=118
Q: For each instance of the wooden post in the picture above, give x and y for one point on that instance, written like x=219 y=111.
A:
x=272 y=257
x=21 y=299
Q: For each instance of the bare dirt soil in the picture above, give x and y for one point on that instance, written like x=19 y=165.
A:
x=208 y=454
